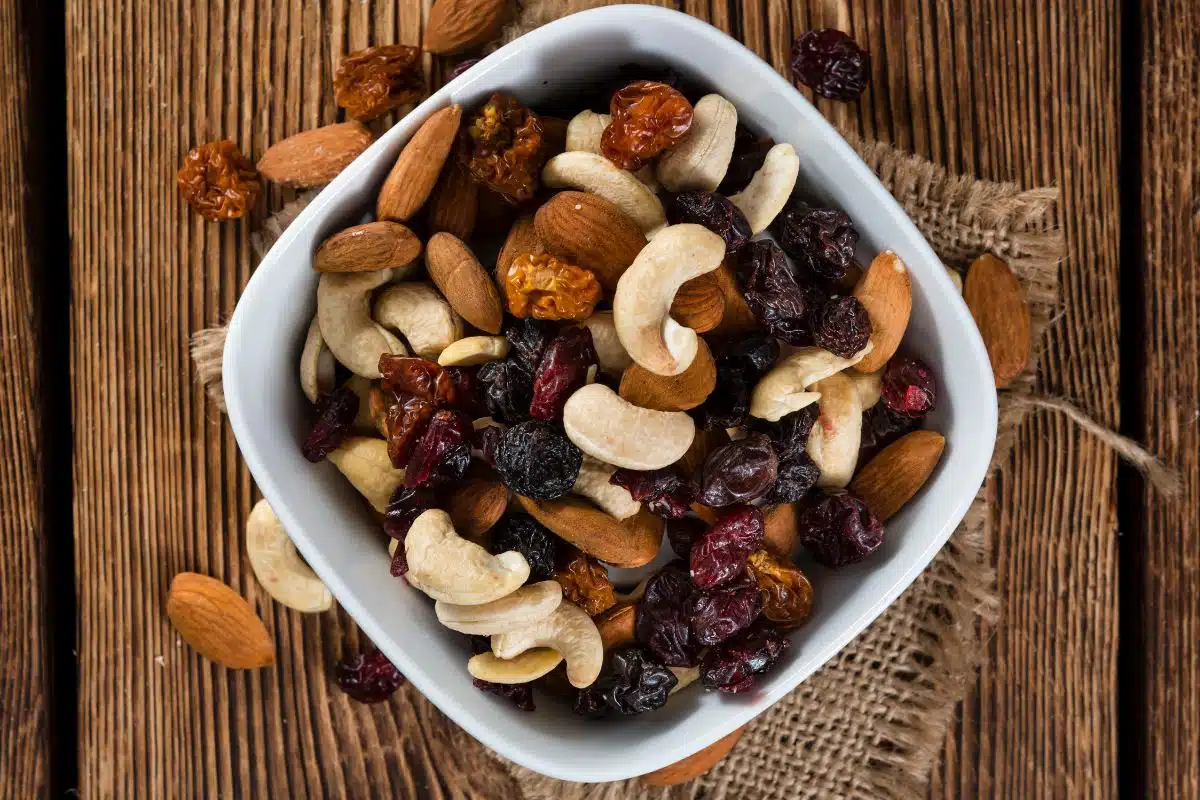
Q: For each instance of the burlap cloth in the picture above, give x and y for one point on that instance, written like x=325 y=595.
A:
x=872 y=721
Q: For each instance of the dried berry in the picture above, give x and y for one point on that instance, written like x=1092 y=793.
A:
x=647 y=118
x=461 y=67
x=732 y=666
x=335 y=415
x=841 y=326
x=372 y=82
x=507 y=389
x=830 y=63
x=403 y=508
x=880 y=427
x=528 y=338
x=479 y=644
x=796 y=477
x=714 y=212
x=665 y=491
x=536 y=460
x=418 y=377
x=822 y=240
x=217 y=181
x=368 y=677
x=722 y=612
x=739 y=472
x=590 y=703
x=584 y=582
x=520 y=694
x=908 y=387
x=486 y=440
x=740 y=366
x=661 y=622
x=501 y=148
x=527 y=536
x=405 y=424
x=720 y=554
x=749 y=153
x=638 y=682
x=683 y=533
x=839 y=529
x=444 y=452
x=547 y=287
x=787 y=596
x=779 y=302
x=563 y=369
x=754 y=355
x=789 y=436
x=468 y=394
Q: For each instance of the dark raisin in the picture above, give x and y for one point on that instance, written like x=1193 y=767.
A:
x=841 y=326
x=527 y=536
x=403 y=508
x=467 y=391
x=722 y=612
x=720 y=554
x=562 y=370
x=830 y=63
x=590 y=703
x=822 y=240
x=749 y=153
x=665 y=491
x=754 y=354
x=479 y=644
x=519 y=694
x=661 y=622
x=487 y=439
x=739 y=472
x=839 y=529
x=740 y=365
x=881 y=427
x=908 y=387
x=638 y=683
x=682 y=534
x=418 y=377
x=444 y=452
x=368 y=677
x=714 y=212
x=789 y=436
x=529 y=337
x=536 y=460
x=732 y=666
x=335 y=415
x=797 y=476
x=779 y=302
x=507 y=389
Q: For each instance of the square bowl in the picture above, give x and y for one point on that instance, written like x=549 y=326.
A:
x=334 y=531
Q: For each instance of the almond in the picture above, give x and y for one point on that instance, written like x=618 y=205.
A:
x=591 y=232
x=457 y=25
x=463 y=281
x=696 y=764
x=738 y=318
x=416 y=170
x=997 y=303
x=476 y=505
x=522 y=238
x=455 y=203
x=313 y=158
x=781 y=529
x=218 y=623
x=621 y=543
x=679 y=392
x=885 y=290
x=363 y=248
x=700 y=303
x=891 y=478
x=616 y=625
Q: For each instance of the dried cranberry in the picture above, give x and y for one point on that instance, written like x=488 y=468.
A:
x=418 y=377
x=714 y=212
x=880 y=427
x=638 y=683
x=839 y=529
x=403 y=508
x=468 y=395
x=520 y=694
x=797 y=476
x=562 y=370
x=368 y=677
x=528 y=338
x=732 y=666
x=722 y=612
x=536 y=460
x=665 y=491
x=841 y=326
x=779 y=302
x=830 y=63
x=479 y=644
x=405 y=422
x=749 y=153
x=507 y=389
x=335 y=415
x=683 y=533
x=908 y=387
x=720 y=554
x=739 y=472
x=444 y=452
x=661 y=622
x=789 y=436
x=822 y=240
x=525 y=535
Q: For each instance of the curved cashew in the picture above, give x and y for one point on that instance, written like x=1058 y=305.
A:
x=770 y=187
x=447 y=567
x=529 y=666
x=702 y=158
x=419 y=311
x=833 y=443
x=781 y=391
x=642 y=302
x=365 y=463
x=474 y=350
x=868 y=385
x=592 y=483
x=606 y=426
x=317 y=365
x=344 y=314
x=568 y=630
x=364 y=421
x=524 y=606
x=609 y=350
x=684 y=677
x=279 y=567
x=589 y=172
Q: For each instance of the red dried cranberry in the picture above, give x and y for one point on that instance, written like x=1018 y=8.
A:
x=714 y=212
x=739 y=472
x=908 y=387
x=830 y=63
x=519 y=694
x=368 y=677
x=841 y=326
x=720 y=554
x=418 y=377
x=720 y=613
x=664 y=491
x=468 y=396
x=444 y=452
x=779 y=302
x=683 y=533
x=839 y=529
x=562 y=370
x=822 y=240
x=749 y=153
x=406 y=422
x=661 y=623
x=335 y=415
x=731 y=667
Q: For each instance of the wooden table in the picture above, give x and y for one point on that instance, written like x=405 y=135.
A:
x=117 y=473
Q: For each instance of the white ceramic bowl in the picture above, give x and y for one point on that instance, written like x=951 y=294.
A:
x=331 y=526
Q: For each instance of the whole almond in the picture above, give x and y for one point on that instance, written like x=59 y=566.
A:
x=781 y=529
x=679 y=392
x=591 y=232
x=738 y=318
x=463 y=281
x=416 y=171
x=891 y=478
x=616 y=625
x=632 y=542
x=363 y=248
x=313 y=158
x=476 y=505
x=700 y=303
x=885 y=289
x=457 y=25
x=997 y=303
x=694 y=765
x=218 y=623
x=455 y=203
x=522 y=238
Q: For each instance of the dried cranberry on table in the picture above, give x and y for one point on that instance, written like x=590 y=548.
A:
x=638 y=683
x=841 y=326
x=335 y=415
x=682 y=534
x=908 y=387
x=822 y=240
x=507 y=389
x=732 y=666
x=661 y=622
x=528 y=338
x=839 y=529
x=714 y=212
x=405 y=505
x=786 y=593
x=830 y=63
x=217 y=181
x=368 y=677
x=749 y=153
x=724 y=611
x=519 y=694
x=372 y=82
x=537 y=460
x=779 y=302
x=647 y=118
x=525 y=535
x=665 y=491
x=739 y=472
x=563 y=369
x=720 y=554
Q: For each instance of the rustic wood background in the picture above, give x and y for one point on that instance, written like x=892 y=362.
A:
x=1091 y=683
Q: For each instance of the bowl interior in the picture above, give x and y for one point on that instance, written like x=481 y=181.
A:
x=334 y=531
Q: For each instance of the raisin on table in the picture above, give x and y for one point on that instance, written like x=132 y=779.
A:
x=335 y=415
x=830 y=63
x=368 y=677
x=647 y=118
x=638 y=682
x=547 y=287
x=217 y=181
x=841 y=326
x=720 y=554
x=372 y=82
x=527 y=536
x=536 y=460
x=839 y=529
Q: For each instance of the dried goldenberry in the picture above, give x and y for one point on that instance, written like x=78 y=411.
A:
x=779 y=302
x=732 y=666
x=839 y=529
x=822 y=240
x=562 y=370
x=720 y=554
x=749 y=153
x=444 y=452
x=507 y=389
x=584 y=581
x=528 y=338
x=724 y=611
x=841 y=326
x=683 y=533
x=908 y=387
x=665 y=491
x=519 y=694
x=660 y=620
x=638 y=683
x=547 y=287
x=830 y=63
x=403 y=508
x=714 y=212
x=217 y=181
x=372 y=82
x=787 y=595
x=536 y=460
x=335 y=415
x=647 y=118
x=525 y=535
x=501 y=148
x=739 y=472
x=368 y=677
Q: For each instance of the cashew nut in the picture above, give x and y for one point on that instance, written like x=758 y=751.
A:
x=833 y=443
x=606 y=426
x=474 y=350
x=568 y=630
x=642 y=302
x=317 y=365
x=366 y=464
x=528 y=666
x=684 y=677
x=524 y=606
x=419 y=311
x=781 y=391
x=609 y=350
x=364 y=420
x=447 y=567
x=869 y=386
x=702 y=158
x=279 y=567
x=593 y=484
x=344 y=314
x=589 y=172
x=583 y=135
x=770 y=187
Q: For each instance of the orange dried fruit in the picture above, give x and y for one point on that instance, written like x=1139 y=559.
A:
x=543 y=286
x=371 y=82
x=217 y=181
